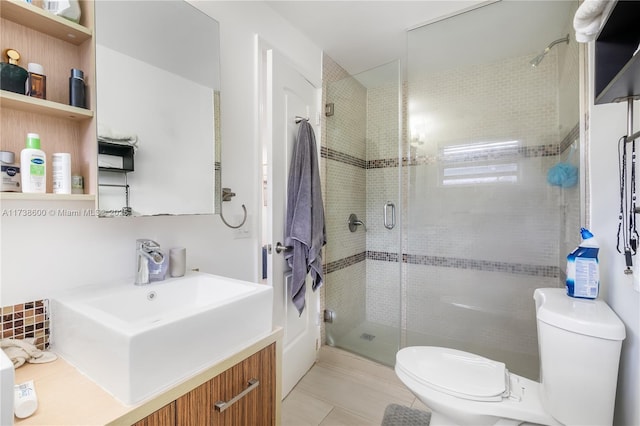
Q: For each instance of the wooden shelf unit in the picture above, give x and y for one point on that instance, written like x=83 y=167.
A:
x=30 y=16
x=43 y=106
x=58 y=45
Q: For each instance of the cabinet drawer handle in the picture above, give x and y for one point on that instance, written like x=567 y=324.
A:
x=221 y=405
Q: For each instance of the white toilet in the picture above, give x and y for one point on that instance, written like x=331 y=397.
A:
x=579 y=342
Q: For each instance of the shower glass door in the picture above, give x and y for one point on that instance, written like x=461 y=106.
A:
x=484 y=228
x=363 y=169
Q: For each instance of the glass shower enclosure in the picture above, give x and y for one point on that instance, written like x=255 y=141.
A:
x=456 y=148
x=362 y=154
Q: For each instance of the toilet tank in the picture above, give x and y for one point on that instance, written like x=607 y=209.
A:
x=579 y=342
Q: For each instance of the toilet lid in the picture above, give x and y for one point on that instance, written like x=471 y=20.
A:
x=455 y=372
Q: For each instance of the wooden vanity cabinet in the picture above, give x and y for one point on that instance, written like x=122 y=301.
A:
x=257 y=406
x=164 y=416
x=196 y=407
x=252 y=407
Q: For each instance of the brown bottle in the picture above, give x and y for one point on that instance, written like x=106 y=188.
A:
x=36 y=82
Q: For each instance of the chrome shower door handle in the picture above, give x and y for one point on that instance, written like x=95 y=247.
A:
x=389 y=206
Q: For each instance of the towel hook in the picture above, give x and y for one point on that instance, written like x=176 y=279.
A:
x=300 y=119
x=227 y=194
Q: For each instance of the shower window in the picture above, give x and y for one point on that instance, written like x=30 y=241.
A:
x=479 y=163
x=473 y=175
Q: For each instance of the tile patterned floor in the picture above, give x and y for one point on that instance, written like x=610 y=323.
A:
x=344 y=389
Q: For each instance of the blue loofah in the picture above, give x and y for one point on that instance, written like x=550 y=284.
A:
x=564 y=175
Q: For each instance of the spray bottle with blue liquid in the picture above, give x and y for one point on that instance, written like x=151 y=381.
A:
x=583 y=272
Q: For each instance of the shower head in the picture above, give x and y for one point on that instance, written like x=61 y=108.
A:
x=536 y=61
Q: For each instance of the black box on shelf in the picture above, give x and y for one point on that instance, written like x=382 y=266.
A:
x=115 y=157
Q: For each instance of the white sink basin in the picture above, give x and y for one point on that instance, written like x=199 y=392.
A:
x=135 y=341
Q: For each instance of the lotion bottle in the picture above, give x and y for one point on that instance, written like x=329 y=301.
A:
x=33 y=166
x=61 y=162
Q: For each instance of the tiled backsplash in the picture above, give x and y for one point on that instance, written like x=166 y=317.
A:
x=27 y=320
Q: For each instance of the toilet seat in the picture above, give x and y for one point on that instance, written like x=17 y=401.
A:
x=457 y=373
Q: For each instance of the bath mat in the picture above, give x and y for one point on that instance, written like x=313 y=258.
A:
x=399 y=415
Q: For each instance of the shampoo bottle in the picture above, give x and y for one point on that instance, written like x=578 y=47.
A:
x=583 y=273
x=33 y=166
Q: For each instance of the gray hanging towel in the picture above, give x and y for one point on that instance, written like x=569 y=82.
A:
x=304 y=228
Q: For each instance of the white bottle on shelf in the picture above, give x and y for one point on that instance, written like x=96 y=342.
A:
x=33 y=166
x=61 y=173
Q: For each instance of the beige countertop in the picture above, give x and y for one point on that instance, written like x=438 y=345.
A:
x=67 y=397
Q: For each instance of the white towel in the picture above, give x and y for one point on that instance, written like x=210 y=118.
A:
x=106 y=134
x=21 y=351
x=589 y=19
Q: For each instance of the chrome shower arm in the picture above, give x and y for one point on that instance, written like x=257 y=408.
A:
x=558 y=41
x=536 y=61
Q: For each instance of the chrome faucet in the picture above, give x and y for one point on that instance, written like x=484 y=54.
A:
x=146 y=251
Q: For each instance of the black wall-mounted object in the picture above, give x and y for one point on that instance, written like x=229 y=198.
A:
x=617 y=73
x=77 y=89
x=118 y=150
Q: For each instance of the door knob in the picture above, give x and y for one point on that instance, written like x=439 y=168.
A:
x=280 y=248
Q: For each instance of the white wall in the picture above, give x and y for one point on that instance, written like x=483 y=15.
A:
x=607 y=125
x=40 y=255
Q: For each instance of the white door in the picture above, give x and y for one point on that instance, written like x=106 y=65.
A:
x=288 y=95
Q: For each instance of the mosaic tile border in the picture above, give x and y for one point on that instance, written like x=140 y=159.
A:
x=523 y=152
x=383 y=163
x=332 y=154
x=571 y=137
x=383 y=256
x=448 y=262
x=483 y=265
x=548 y=150
x=27 y=320
x=344 y=262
